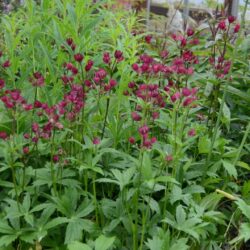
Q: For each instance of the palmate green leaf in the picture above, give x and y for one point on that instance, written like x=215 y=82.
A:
x=180 y=215
x=176 y=194
x=76 y=227
x=210 y=201
x=6 y=184
x=73 y=231
x=243 y=165
x=92 y=168
x=194 y=189
x=189 y=226
x=111 y=226
x=76 y=245
x=103 y=242
x=55 y=222
x=204 y=145
x=123 y=178
x=107 y=180
x=245 y=231
x=166 y=179
x=180 y=244
x=115 y=153
x=230 y=168
x=26 y=202
x=155 y=243
x=243 y=95
x=30 y=237
x=226 y=115
x=5 y=228
x=7 y=240
x=245 y=209
x=85 y=208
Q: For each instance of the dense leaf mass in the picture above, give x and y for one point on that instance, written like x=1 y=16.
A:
x=116 y=138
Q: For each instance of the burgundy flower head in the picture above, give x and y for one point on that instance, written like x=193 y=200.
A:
x=144 y=130
x=6 y=64
x=119 y=55
x=96 y=141
x=2 y=83
x=231 y=19
x=26 y=150
x=89 y=65
x=3 y=135
x=222 y=25
x=55 y=158
x=148 y=39
x=106 y=58
x=190 y=32
x=191 y=132
x=135 y=116
x=78 y=57
x=131 y=140
x=237 y=28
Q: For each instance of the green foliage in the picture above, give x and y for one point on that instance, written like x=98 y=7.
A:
x=176 y=177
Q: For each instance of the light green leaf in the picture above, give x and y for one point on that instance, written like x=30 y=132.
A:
x=166 y=179
x=204 y=145
x=73 y=232
x=180 y=244
x=103 y=242
x=245 y=209
x=245 y=231
x=155 y=243
x=55 y=222
x=146 y=168
x=7 y=239
x=230 y=168
x=226 y=115
x=243 y=165
x=76 y=245
x=194 y=189
x=180 y=215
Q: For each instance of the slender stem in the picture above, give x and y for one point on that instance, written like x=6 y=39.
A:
x=174 y=129
x=242 y=144
x=136 y=201
x=51 y=162
x=15 y=186
x=105 y=118
x=244 y=14
x=165 y=206
x=145 y=217
x=217 y=125
x=95 y=200
x=82 y=74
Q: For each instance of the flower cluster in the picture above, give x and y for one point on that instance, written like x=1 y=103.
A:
x=147 y=142
x=187 y=95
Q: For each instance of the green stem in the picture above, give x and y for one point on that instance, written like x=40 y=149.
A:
x=105 y=118
x=242 y=144
x=136 y=203
x=244 y=14
x=174 y=129
x=15 y=186
x=52 y=164
x=145 y=217
x=95 y=200
x=81 y=133
x=217 y=125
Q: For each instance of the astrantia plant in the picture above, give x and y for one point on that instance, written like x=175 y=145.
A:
x=115 y=139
